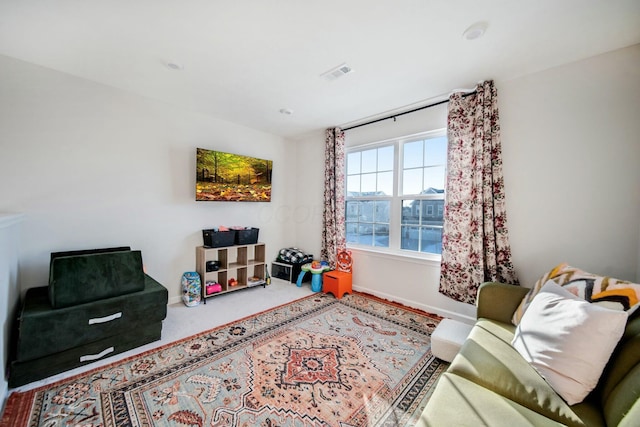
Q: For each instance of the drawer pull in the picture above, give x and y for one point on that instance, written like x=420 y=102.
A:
x=106 y=318
x=100 y=355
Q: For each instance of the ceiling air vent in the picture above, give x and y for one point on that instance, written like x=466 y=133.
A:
x=337 y=72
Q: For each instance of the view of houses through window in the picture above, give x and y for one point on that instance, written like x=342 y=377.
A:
x=395 y=193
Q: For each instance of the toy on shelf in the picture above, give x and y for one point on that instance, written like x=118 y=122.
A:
x=255 y=281
x=213 y=287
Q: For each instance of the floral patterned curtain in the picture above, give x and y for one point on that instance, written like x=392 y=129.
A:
x=333 y=231
x=475 y=241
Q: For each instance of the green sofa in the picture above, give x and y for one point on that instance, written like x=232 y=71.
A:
x=99 y=303
x=489 y=384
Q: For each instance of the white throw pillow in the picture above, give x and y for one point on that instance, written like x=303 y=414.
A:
x=568 y=340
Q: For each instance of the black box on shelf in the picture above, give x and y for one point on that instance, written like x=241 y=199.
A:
x=217 y=239
x=289 y=272
x=247 y=237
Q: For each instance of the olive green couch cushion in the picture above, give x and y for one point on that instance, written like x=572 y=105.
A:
x=619 y=387
x=84 y=276
x=462 y=403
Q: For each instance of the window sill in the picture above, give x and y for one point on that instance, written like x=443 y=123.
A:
x=404 y=256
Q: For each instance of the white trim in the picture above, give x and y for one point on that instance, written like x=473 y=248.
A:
x=406 y=256
x=407 y=138
x=424 y=307
x=3 y=395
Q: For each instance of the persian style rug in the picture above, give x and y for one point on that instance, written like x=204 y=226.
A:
x=317 y=361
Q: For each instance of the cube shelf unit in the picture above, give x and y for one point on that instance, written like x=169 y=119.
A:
x=240 y=262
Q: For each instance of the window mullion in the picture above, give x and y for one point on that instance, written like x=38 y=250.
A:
x=396 y=203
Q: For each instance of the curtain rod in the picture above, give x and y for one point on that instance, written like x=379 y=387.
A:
x=393 y=116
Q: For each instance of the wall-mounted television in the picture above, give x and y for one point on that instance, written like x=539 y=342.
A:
x=230 y=177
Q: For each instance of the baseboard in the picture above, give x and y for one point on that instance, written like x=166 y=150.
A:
x=4 y=388
x=424 y=307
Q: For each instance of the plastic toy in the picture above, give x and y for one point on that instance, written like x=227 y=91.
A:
x=191 y=287
x=213 y=287
x=316 y=268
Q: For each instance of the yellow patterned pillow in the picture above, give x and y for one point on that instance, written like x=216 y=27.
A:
x=590 y=287
x=618 y=299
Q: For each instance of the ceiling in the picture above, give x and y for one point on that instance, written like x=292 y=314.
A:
x=245 y=60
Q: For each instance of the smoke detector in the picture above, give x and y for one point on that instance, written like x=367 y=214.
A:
x=475 y=31
x=337 y=72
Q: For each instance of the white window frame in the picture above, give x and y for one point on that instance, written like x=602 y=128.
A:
x=396 y=199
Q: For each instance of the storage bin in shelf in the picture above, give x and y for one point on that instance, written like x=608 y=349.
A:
x=244 y=263
x=247 y=236
x=217 y=239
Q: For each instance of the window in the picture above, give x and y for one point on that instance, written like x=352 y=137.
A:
x=370 y=178
x=395 y=194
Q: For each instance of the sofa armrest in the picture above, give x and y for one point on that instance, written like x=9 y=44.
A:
x=498 y=301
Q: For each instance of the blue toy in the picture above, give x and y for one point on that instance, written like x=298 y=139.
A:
x=316 y=268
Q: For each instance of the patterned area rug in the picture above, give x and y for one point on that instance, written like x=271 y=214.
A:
x=318 y=361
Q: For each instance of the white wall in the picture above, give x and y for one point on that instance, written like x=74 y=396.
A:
x=309 y=171
x=572 y=166
x=9 y=287
x=571 y=150
x=91 y=166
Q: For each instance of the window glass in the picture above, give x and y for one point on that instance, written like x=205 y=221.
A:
x=353 y=163
x=412 y=182
x=413 y=154
x=435 y=152
x=385 y=158
x=409 y=219
x=369 y=161
x=434 y=178
x=367 y=222
x=353 y=183
x=368 y=182
x=385 y=183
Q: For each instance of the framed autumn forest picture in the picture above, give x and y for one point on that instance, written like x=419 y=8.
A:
x=230 y=177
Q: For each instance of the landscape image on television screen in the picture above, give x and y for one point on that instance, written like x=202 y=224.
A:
x=231 y=177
